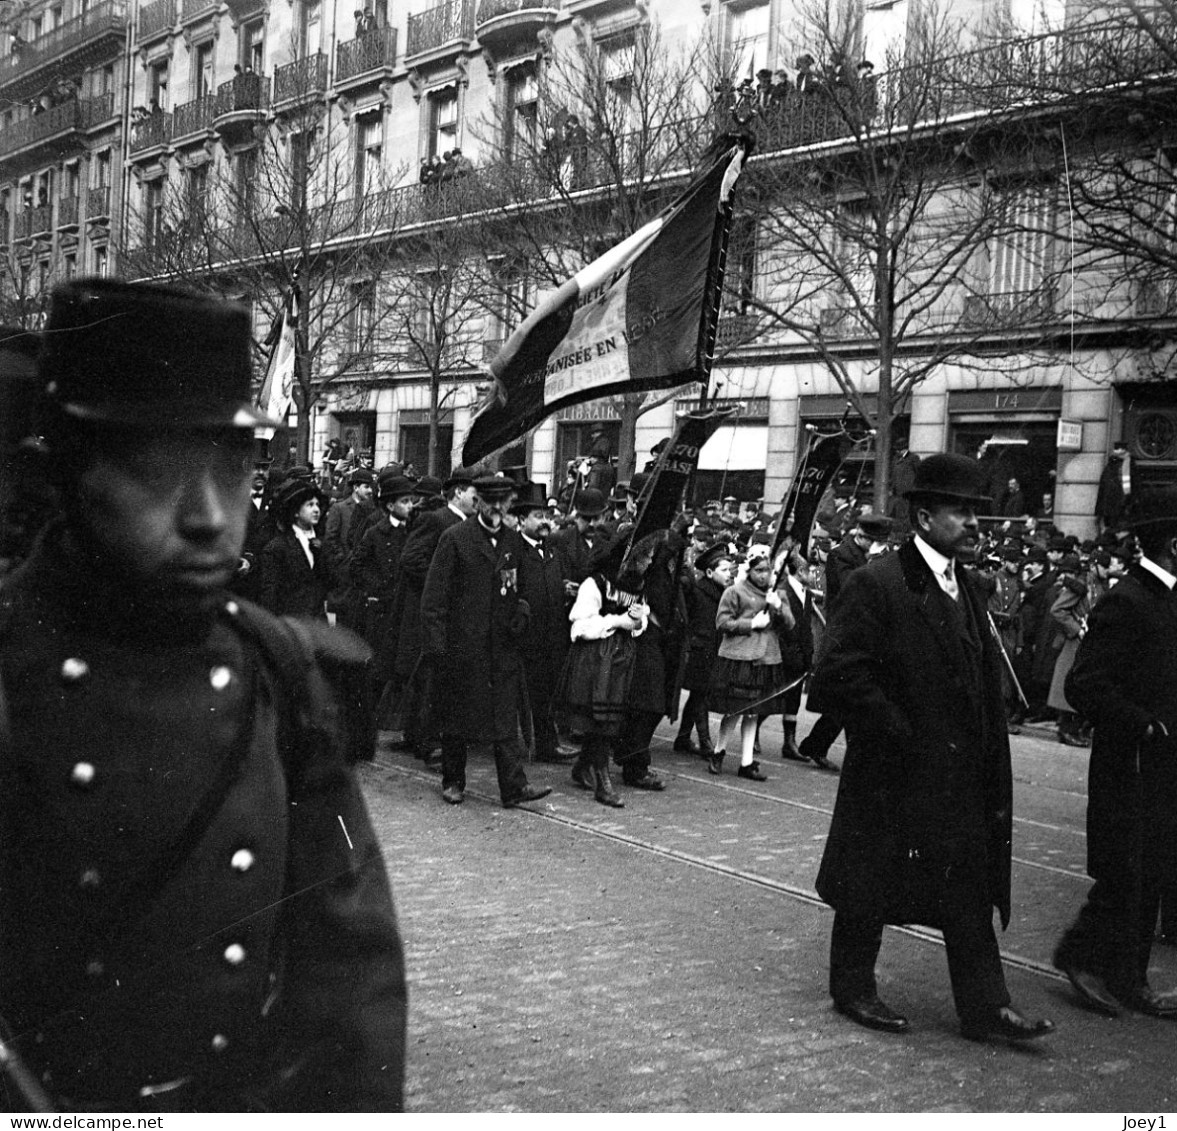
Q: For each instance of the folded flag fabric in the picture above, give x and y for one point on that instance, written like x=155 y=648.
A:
x=628 y=322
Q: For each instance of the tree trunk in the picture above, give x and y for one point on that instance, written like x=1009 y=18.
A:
x=304 y=394
x=627 y=440
x=434 y=397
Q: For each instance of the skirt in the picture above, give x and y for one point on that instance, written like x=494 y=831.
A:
x=737 y=684
x=592 y=694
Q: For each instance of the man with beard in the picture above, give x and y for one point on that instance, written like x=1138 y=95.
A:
x=472 y=621
x=194 y=914
x=541 y=585
x=921 y=831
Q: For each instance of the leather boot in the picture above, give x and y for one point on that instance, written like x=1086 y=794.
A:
x=789 y=748
x=582 y=772
x=605 y=793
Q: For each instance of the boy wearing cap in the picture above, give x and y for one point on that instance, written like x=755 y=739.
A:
x=921 y=831
x=184 y=923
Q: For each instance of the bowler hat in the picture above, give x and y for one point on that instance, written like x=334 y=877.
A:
x=459 y=477
x=429 y=487
x=362 y=475
x=530 y=496
x=589 y=502
x=493 y=488
x=394 y=486
x=121 y=353
x=876 y=526
x=949 y=476
x=637 y=485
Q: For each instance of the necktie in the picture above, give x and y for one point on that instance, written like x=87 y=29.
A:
x=949 y=582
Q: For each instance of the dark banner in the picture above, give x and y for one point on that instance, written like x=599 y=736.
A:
x=663 y=499
x=823 y=457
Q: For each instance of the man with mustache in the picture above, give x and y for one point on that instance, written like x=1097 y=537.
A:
x=194 y=913
x=921 y=831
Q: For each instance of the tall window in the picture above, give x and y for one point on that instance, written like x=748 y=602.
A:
x=443 y=121
x=618 y=59
x=153 y=197
x=197 y=190
x=70 y=265
x=748 y=39
x=300 y=148
x=202 y=71
x=246 y=180
x=522 y=108
x=157 y=85
x=252 y=46
x=369 y=141
x=739 y=283
x=102 y=169
x=101 y=262
x=107 y=79
x=310 y=27
x=1020 y=257
x=884 y=31
x=361 y=317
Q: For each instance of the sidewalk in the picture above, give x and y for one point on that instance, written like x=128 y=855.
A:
x=554 y=967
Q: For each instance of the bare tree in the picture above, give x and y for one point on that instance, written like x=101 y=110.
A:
x=882 y=208
x=290 y=214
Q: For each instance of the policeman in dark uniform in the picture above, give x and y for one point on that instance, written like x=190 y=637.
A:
x=194 y=913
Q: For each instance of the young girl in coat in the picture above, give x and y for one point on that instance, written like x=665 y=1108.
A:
x=749 y=667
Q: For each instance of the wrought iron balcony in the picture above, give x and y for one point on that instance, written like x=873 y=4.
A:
x=151 y=132
x=735 y=329
x=98 y=31
x=1008 y=308
x=53 y=128
x=67 y=211
x=303 y=80
x=447 y=23
x=502 y=21
x=156 y=18
x=194 y=9
x=36 y=221
x=372 y=53
x=241 y=103
x=194 y=117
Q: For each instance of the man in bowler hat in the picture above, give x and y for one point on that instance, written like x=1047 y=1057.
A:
x=194 y=913
x=921 y=831
x=1124 y=680
x=472 y=620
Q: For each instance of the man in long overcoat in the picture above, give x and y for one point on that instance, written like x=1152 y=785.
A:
x=921 y=831
x=471 y=620
x=1125 y=681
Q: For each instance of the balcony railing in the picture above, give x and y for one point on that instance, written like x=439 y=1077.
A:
x=95 y=111
x=1009 y=308
x=34 y=221
x=491 y=9
x=302 y=79
x=156 y=18
x=72 y=115
x=191 y=9
x=105 y=19
x=373 y=51
x=98 y=202
x=243 y=92
x=67 y=211
x=152 y=131
x=194 y=117
x=433 y=28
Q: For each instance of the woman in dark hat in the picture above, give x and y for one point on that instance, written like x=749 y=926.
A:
x=294 y=577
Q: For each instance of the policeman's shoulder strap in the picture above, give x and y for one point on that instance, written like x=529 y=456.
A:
x=323 y=676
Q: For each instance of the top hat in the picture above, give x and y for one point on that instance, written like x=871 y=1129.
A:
x=391 y=485
x=494 y=488
x=530 y=496
x=589 y=502
x=120 y=353
x=949 y=476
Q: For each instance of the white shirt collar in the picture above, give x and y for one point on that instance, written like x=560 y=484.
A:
x=457 y=510
x=531 y=541
x=1157 y=571
x=304 y=537
x=937 y=562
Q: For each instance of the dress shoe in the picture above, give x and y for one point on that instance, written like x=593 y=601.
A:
x=872 y=1013
x=527 y=793
x=452 y=795
x=649 y=780
x=582 y=774
x=605 y=793
x=1156 y=1003
x=684 y=746
x=824 y=763
x=1012 y=728
x=752 y=772
x=1072 y=740
x=1006 y=1023
x=791 y=753
x=715 y=763
x=1093 y=990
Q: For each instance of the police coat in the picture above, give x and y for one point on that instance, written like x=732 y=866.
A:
x=184 y=924
x=1124 y=679
x=925 y=794
x=472 y=619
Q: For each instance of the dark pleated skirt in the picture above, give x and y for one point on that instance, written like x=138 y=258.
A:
x=593 y=690
x=737 y=684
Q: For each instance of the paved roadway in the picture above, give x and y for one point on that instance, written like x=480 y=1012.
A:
x=671 y=956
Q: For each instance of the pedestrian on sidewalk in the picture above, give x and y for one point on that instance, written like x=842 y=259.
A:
x=1124 y=680
x=922 y=825
x=749 y=668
